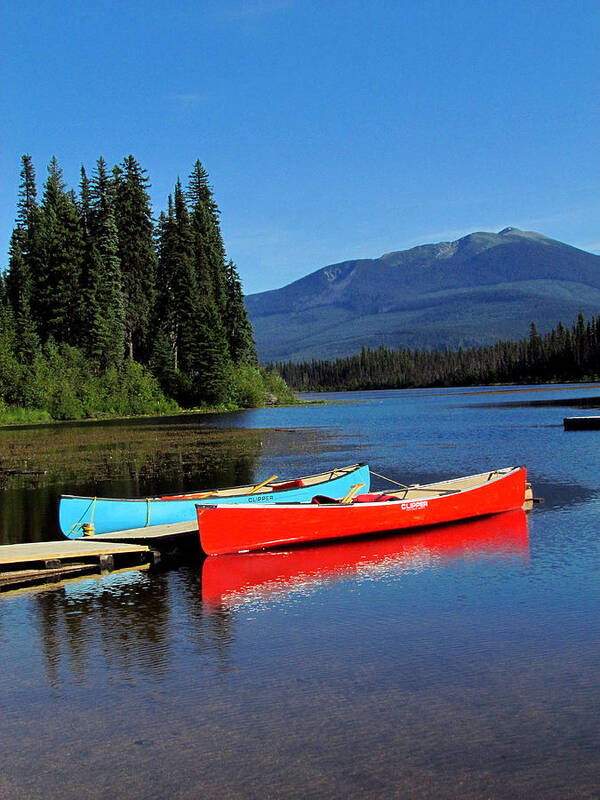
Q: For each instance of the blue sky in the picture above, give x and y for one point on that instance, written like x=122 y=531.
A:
x=330 y=130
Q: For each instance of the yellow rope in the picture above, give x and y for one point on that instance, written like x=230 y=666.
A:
x=354 y=489
x=377 y=475
x=87 y=528
x=260 y=485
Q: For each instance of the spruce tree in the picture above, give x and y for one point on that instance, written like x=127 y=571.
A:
x=57 y=266
x=211 y=364
x=27 y=204
x=185 y=284
x=162 y=362
x=89 y=310
x=165 y=315
x=209 y=250
x=10 y=370
x=18 y=292
x=25 y=248
x=189 y=327
x=136 y=253
x=238 y=327
x=107 y=324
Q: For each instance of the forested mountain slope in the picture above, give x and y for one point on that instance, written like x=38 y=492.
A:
x=473 y=291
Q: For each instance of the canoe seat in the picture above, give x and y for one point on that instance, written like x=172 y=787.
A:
x=298 y=483
x=323 y=500
x=374 y=497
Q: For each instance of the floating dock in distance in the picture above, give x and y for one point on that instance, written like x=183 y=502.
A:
x=581 y=423
x=22 y=564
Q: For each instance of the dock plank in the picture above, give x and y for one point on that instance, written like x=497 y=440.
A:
x=149 y=532
x=73 y=548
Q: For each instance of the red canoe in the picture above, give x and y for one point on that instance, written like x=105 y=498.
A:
x=234 y=529
x=230 y=580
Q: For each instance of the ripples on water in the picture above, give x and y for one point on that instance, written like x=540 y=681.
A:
x=460 y=662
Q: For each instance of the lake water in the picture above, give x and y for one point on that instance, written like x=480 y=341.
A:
x=460 y=662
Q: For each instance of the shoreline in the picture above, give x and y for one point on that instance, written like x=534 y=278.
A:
x=427 y=392
x=181 y=413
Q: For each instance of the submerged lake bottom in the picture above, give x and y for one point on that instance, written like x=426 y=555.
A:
x=460 y=661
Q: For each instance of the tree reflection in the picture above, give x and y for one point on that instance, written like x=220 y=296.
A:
x=118 y=622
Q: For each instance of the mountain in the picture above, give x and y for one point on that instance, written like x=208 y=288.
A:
x=473 y=291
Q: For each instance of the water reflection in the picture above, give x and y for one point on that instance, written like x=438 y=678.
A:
x=229 y=580
x=114 y=461
x=81 y=626
x=127 y=622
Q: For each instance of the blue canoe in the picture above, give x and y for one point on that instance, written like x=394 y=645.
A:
x=78 y=516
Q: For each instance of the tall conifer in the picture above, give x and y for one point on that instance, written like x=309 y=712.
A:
x=89 y=310
x=57 y=268
x=27 y=203
x=185 y=284
x=25 y=249
x=18 y=292
x=107 y=331
x=136 y=253
x=209 y=250
x=238 y=327
x=165 y=308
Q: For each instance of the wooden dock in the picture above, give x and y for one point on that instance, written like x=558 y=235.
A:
x=150 y=533
x=43 y=561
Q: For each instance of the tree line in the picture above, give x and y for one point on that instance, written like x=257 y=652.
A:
x=561 y=355
x=97 y=296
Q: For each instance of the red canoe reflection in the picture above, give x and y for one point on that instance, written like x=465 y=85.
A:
x=229 y=579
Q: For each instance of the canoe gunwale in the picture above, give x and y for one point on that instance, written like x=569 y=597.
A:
x=425 y=487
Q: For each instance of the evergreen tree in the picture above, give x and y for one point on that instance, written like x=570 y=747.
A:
x=184 y=283
x=27 y=204
x=207 y=363
x=89 y=309
x=188 y=322
x=10 y=370
x=136 y=253
x=24 y=253
x=56 y=280
x=209 y=250
x=107 y=320
x=18 y=293
x=211 y=362
x=162 y=362
x=238 y=327
x=165 y=317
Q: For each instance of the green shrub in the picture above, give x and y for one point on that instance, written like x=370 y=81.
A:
x=15 y=415
x=65 y=404
x=247 y=387
x=277 y=387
